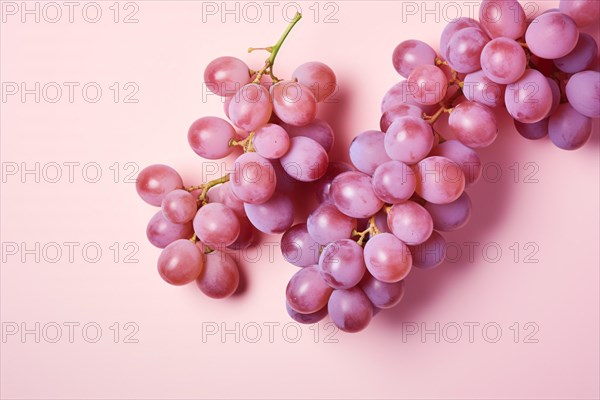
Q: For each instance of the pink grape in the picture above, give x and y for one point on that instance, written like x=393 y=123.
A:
x=410 y=54
x=467 y=159
x=408 y=139
x=464 y=50
x=251 y=107
x=367 y=151
x=275 y=215
x=220 y=277
x=318 y=130
x=533 y=131
x=410 y=222
x=556 y=95
x=318 y=77
x=350 y=309
x=352 y=193
x=229 y=199
x=430 y=254
x=552 y=35
x=342 y=264
x=298 y=247
x=216 y=225
x=529 y=99
x=311 y=318
x=179 y=206
x=403 y=110
x=452 y=216
x=387 y=258
x=583 y=92
x=210 y=137
x=480 y=89
x=439 y=180
x=502 y=18
x=271 y=141
x=568 y=129
x=307 y=292
x=581 y=57
x=451 y=28
x=382 y=294
x=503 y=60
x=253 y=179
x=161 y=232
x=327 y=224
x=428 y=84
x=247 y=235
x=583 y=12
x=180 y=262
x=294 y=103
x=154 y=182
x=225 y=75
x=473 y=124
x=306 y=160
x=394 y=182
x=403 y=93
x=322 y=186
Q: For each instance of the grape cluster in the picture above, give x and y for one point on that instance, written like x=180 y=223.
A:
x=382 y=216
x=274 y=123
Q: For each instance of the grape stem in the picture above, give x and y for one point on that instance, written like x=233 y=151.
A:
x=268 y=67
x=246 y=144
x=371 y=230
x=203 y=198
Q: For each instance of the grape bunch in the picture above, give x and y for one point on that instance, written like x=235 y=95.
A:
x=283 y=146
x=383 y=215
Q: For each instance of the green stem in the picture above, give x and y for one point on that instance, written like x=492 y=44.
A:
x=202 y=199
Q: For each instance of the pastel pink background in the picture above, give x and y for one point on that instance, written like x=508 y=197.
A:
x=165 y=54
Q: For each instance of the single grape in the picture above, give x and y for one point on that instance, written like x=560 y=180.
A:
x=253 y=179
x=210 y=137
x=350 y=309
x=154 y=182
x=229 y=199
x=367 y=151
x=452 y=216
x=552 y=35
x=342 y=264
x=387 y=258
x=318 y=77
x=503 y=60
x=439 y=180
x=161 y=232
x=464 y=50
x=271 y=141
x=382 y=294
x=410 y=54
x=394 y=182
x=403 y=93
x=275 y=215
x=307 y=292
x=381 y=221
x=583 y=92
x=502 y=18
x=556 y=95
x=318 y=130
x=583 y=12
x=352 y=193
x=298 y=247
x=408 y=139
x=216 y=225
x=480 y=89
x=410 y=222
x=533 y=131
x=467 y=159
x=327 y=224
x=581 y=57
x=180 y=262
x=568 y=129
x=430 y=254
x=428 y=84
x=403 y=110
x=247 y=236
x=294 y=103
x=451 y=28
x=311 y=318
x=220 y=277
x=529 y=99
x=322 y=186
x=251 y=107
x=473 y=124
x=225 y=75
x=179 y=206
x=306 y=160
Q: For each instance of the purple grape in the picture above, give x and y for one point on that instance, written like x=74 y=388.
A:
x=306 y=160
x=352 y=193
x=367 y=151
x=327 y=224
x=276 y=215
x=452 y=216
x=387 y=258
x=311 y=318
x=430 y=254
x=403 y=110
x=342 y=264
x=409 y=140
x=394 y=182
x=318 y=130
x=298 y=247
x=502 y=18
x=552 y=35
x=350 y=309
x=464 y=50
x=307 y=292
x=534 y=131
x=568 y=129
x=382 y=294
x=410 y=222
x=451 y=28
x=467 y=159
x=581 y=57
x=322 y=186
x=480 y=89
x=473 y=124
x=583 y=12
x=583 y=92
x=503 y=60
x=529 y=99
